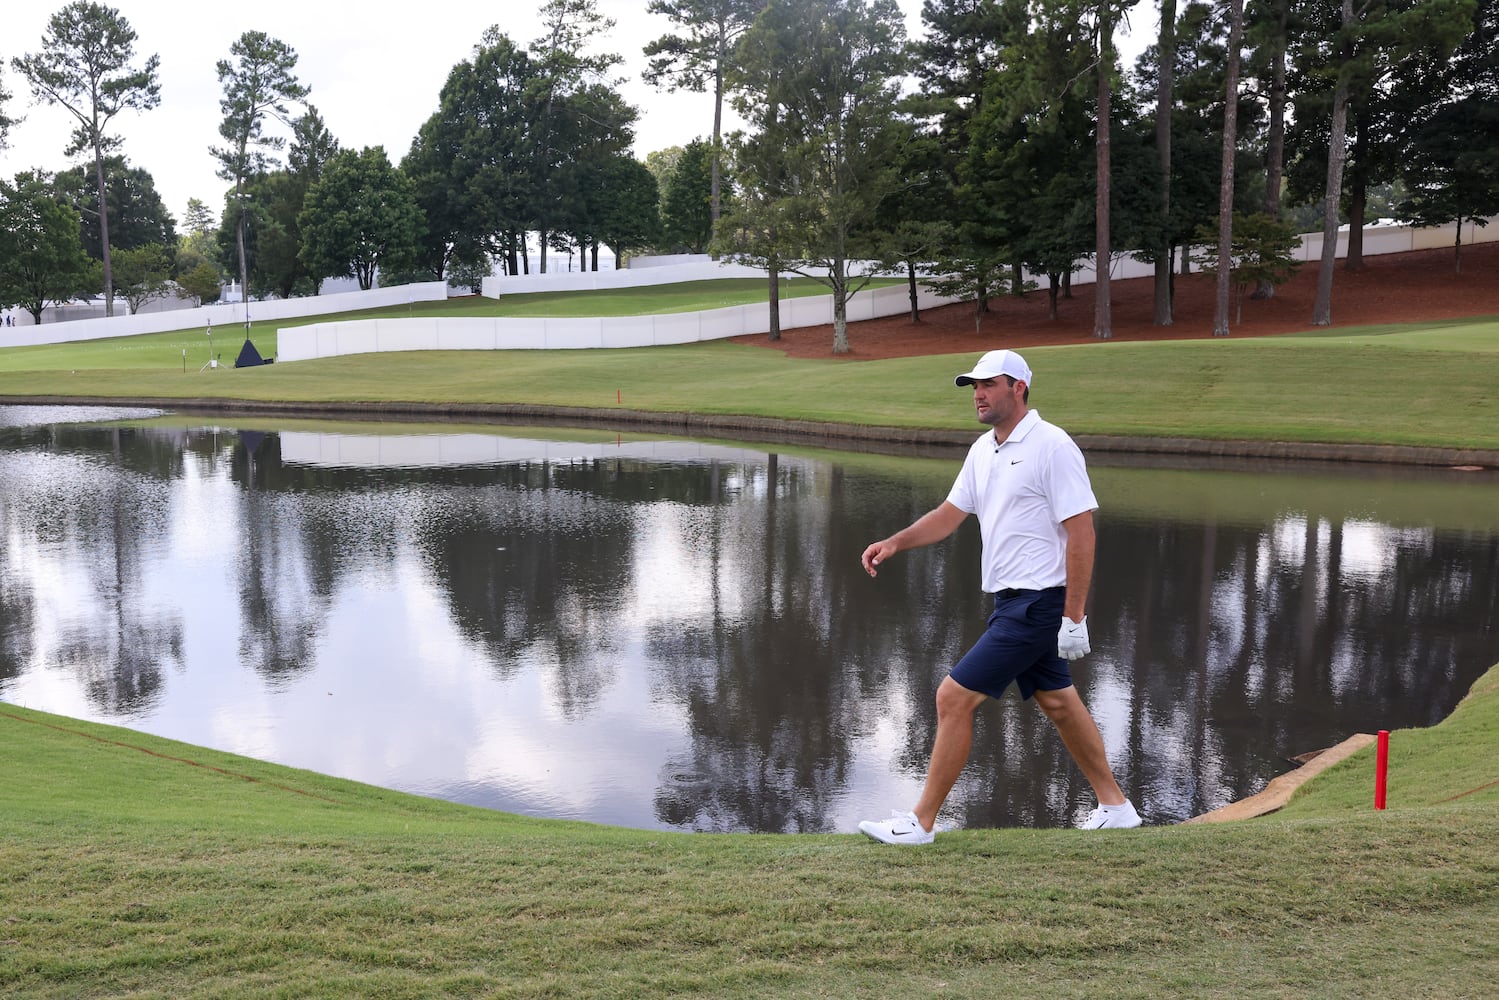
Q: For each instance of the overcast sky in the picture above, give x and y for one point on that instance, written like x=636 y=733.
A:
x=374 y=78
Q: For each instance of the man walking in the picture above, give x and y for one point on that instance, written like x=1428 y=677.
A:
x=1028 y=485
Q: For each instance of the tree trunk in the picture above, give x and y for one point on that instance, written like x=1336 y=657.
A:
x=840 y=309
x=1336 y=155
x=1275 y=142
x=1166 y=50
x=1017 y=281
x=1358 y=199
x=911 y=287
x=1053 y=285
x=1103 y=320
x=542 y=239
x=239 y=235
x=713 y=161
x=109 y=284
x=1226 y=175
x=1457 y=248
x=774 y=266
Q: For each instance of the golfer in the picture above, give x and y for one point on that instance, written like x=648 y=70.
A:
x=1027 y=483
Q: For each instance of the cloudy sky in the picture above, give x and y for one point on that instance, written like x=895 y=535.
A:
x=374 y=78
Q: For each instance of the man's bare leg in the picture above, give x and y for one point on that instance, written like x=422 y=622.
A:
x=1080 y=734
x=955 y=707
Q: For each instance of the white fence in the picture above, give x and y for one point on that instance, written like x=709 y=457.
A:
x=366 y=336
x=1377 y=240
x=1403 y=239
x=226 y=316
x=322 y=340
x=641 y=272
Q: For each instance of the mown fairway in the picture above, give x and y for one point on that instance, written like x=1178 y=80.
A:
x=131 y=865
x=1420 y=386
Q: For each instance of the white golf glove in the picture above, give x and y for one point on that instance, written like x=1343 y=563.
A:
x=1072 y=640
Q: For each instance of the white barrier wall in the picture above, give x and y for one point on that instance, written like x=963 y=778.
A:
x=1403 y=239
x=657 y=271
x=368 y=336
x=227 y=316
x=322 y=340
x=485 y=334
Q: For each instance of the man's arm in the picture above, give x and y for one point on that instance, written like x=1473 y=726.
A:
x=932 y=526
x=1080 y=543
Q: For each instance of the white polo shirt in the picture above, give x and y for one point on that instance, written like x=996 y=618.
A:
x=1022 y=491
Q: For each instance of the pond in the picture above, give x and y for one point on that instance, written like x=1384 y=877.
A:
x=674 y=634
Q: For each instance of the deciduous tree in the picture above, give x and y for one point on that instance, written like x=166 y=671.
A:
x=830 y=73
x=360 y=216
x=622 y=206
x=687 y=201
x=41 y=260
x=199 y=274
x=137 y=215
x=143 y=273
x=471 y=161
x=1262 y=251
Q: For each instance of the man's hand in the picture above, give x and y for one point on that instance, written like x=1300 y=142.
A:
x=1072 y=640
x=876 y=554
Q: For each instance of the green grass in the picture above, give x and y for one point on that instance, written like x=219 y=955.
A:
x=1425 y=386
x=650 y=300
x=131 y=865
x=165 y=351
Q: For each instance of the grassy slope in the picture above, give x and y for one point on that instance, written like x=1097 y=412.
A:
x=184 y=872
x=164 y=350
x=1422 y=387
x=133 y=865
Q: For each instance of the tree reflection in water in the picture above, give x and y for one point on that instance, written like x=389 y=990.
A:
x=679 y=635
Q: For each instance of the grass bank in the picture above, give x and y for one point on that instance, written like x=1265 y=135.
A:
x=190 y=348
x=131 y=865
x=1424 y=386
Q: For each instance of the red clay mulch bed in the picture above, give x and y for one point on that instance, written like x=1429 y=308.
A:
x=1414 y=287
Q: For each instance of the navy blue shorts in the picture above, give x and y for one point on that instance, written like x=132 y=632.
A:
x=1020 y=646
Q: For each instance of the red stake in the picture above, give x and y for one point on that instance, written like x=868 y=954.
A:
x=618 y=397
x=1381 y=768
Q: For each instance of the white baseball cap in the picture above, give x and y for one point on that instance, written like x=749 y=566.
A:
x=995 y=364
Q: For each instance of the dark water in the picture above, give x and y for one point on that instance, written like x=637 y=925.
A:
x=673 y=634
